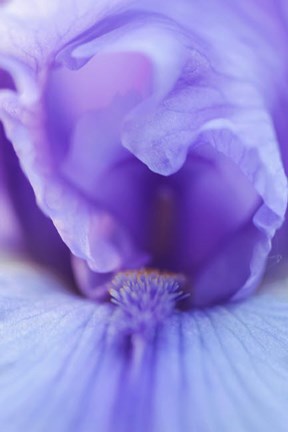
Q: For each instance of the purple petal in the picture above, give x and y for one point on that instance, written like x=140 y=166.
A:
x=33 y=31
x=210 y=104
x=24 y=229
x=11 y=237
x=199 y=100
x=65 y=368
x=85 y=223
x=231 y=368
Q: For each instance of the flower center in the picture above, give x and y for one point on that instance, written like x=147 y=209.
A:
x=146 y=297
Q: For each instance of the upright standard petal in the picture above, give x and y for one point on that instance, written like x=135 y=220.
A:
x=67 y=364
x=198 y=115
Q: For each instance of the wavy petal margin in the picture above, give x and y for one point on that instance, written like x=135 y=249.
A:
x=209 y=87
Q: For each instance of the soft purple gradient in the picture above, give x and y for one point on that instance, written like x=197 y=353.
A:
x=149 y=140
x=24 y=230
x=11 y=236
x=67 y=369
x=149 y=132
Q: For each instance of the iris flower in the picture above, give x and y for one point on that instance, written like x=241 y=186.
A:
x=152 y=137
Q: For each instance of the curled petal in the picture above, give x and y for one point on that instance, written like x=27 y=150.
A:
x=208 y=99
x=85 y=224
x=201 y=100
x=32 y=32
x=24 y=229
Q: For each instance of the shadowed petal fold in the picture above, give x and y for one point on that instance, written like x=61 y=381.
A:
x=24 y=230
x=189 y=105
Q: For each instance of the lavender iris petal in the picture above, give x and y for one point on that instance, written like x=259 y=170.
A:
x=176 y=170
x=24 y=230
x=11 y=237
x=67 y=368
x=149 y=134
